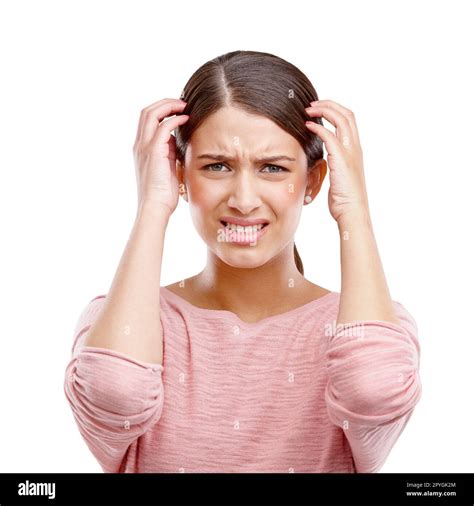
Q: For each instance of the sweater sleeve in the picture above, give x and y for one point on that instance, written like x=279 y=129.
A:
x=373 y=384
x=114 y=398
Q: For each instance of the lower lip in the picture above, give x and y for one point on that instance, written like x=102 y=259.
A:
x=235 y=237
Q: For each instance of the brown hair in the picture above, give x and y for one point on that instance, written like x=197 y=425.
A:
x=259 y=83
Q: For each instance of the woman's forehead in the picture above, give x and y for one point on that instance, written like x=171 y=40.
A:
x=235 y=133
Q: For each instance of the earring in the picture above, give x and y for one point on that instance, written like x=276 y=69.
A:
x=308 y=199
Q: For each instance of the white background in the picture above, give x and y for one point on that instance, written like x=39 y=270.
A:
x=75 y=76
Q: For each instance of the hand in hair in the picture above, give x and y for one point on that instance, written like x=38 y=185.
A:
x=155 y=154
x=347 y=192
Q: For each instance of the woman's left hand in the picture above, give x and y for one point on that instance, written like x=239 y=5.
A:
x=347 y=192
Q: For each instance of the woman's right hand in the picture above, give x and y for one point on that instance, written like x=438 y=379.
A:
x=155 y=154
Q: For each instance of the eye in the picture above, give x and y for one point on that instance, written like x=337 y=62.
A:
x=209 y=167
x=279 y=170
x=282 y=169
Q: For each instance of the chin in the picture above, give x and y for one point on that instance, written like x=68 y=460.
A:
x=243 y=259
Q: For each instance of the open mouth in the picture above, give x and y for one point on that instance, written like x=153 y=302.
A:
x=240 y=228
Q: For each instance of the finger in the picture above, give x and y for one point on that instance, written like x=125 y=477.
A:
x=142 y=116
x=163 y=132
x=343 y=128
x=151 y=116
x=343 y=110
x=155 y=117
x=331 y=142
x=145 y=110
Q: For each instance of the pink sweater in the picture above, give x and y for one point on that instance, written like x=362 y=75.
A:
x=285 y=394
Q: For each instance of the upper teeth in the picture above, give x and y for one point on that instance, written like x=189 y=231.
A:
x=240 y=228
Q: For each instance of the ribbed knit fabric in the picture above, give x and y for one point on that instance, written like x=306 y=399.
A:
x=290 y=393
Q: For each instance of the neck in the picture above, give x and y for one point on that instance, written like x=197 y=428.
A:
x=251 y=291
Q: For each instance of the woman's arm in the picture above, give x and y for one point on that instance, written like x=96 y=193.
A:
x=130 y=319
x=374 y=384
x=373 y=358
x=364 y=291
x=113 y=381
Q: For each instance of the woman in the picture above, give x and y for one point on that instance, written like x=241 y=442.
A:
x=246 y=366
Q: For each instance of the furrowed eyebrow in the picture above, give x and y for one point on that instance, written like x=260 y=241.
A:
x=217 y=156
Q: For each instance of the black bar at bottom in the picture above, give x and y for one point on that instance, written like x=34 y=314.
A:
x=381 y=489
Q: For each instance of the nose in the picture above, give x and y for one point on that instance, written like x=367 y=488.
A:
x=244 y=193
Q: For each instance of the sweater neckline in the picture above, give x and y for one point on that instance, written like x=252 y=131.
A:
x=225 y=312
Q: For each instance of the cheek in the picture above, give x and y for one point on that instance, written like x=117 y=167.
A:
x=203 y=194
x=201 y=197
x=292 y=192
x=288 y=201
x=204 y=199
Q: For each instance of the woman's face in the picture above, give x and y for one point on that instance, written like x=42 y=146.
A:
x=235 y=182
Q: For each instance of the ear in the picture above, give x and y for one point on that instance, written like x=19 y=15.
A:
x=315 y=178
x=180 y=176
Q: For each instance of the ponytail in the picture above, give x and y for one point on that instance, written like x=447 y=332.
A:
x=298 y=262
